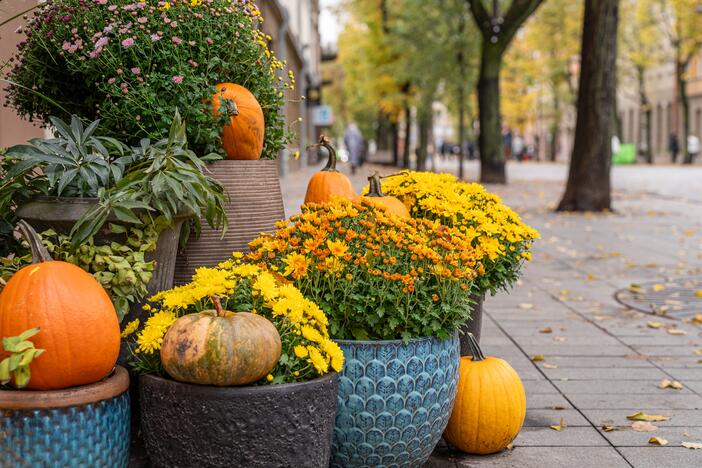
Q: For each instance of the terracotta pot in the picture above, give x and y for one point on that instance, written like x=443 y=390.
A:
x=255 y=204
x=80 y=426
x=473 y=325
x=265 y=426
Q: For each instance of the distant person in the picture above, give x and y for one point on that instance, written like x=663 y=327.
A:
x=693 y=148
x=537 y=147
x=518 y=147
x=353 y=139
x=673 y=147
x=507 y=143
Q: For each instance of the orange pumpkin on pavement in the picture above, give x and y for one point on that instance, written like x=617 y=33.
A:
x=79 y=326
x=242 y=136
x=328 y=182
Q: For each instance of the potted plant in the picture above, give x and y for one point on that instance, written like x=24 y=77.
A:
x=500 y=238
x=395 y=290
x=115 y=211
x=219 y=387
x=60 y=341
x=134 y=63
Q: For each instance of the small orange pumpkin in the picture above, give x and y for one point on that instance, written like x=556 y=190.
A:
x=242 y=137
x=490 y=404
x=377 y=197
x=219 y=347
x=328 y=182
x=79 y=326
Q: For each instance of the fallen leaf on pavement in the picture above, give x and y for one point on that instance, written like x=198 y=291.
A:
x=657 y=441
x=674 y=384
x=676 y=331
x=654 y=324
x=698 y=351
x=550 y=366
x=509 y=446
x=546 y=330
x=658 y=287
x=697 y=319
x=635 y=288
x=698 y=293
x=526 y=306
x=606 y=428
x=692 y=445
x=559 y=427
x=641 y=416
x=643 y=426
x=537 y=358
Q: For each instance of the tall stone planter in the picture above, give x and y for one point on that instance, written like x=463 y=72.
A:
x=255 y=204
x=395 y=400
x=61 y=213
x=473 y=325
x=75 y=427
x=266 y=426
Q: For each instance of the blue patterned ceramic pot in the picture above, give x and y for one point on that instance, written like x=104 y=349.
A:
x=76 y=427
x=394 y=401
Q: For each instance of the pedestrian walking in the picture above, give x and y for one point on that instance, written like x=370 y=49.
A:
x=673 y=147
x=353 y=139
x=693 y=148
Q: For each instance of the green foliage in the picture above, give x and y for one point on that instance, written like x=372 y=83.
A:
x=121 y=268
x=132 y=64
x=22 y=352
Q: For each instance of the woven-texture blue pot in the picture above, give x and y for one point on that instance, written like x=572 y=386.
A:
x=91 y=434
x=394 y=401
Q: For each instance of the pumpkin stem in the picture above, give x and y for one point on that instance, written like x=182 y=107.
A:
x=39 y=252
x=331 y=161
x=475 y=348
x=218 y=306
x=374 y=181
x=232 y=108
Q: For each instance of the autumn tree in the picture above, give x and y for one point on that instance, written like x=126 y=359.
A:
x=497 y=32
x=588 y=187
x=681 y=22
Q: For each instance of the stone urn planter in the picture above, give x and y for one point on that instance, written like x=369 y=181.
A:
x=255 y=204
x=395 y=400
x=61 y=213
x=81 y=426
x=269 y=426
x=473 y=325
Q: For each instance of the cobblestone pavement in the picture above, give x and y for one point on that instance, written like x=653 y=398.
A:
x=602 y=362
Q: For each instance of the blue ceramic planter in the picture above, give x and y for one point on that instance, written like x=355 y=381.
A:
x=394 y=401
x=80 y=427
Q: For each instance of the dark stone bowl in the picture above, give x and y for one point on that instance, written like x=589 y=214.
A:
x=269 y=426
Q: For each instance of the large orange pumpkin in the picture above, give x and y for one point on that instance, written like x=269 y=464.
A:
x=328 y=182
x=79 y=326
x=490 y=404
x=377 y=197
x=219 y=347
x=242 y=136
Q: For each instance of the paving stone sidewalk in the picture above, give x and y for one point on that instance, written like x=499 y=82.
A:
x=602 y=362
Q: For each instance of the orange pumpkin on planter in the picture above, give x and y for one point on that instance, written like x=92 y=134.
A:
x=219 y=347
x=79 y=326
x=329 y=181
x=242 y=136
x=377 y=197
x=490 y=404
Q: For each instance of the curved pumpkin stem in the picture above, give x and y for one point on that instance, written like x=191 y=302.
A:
x=374 y=190
x=331 y=161
x=39 y=252
x=218 y=306
x=475 y=348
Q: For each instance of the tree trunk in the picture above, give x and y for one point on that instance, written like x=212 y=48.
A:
x=424 y=118
x=492 y=160
x=461 y=130
x=589 y=187
x=408 y=128
x=395 y=130
x=555 y=126
x=685 y=102
x=646 y=106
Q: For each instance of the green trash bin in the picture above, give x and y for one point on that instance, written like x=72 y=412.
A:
x=625 y=155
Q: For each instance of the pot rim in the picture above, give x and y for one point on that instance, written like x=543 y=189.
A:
x=398 y=341
x=111 y=386
x=243 y=390
x=87 y=202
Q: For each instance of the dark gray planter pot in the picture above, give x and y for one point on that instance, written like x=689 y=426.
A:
x=473 y=325
x=271 y=426
x=61 y=213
